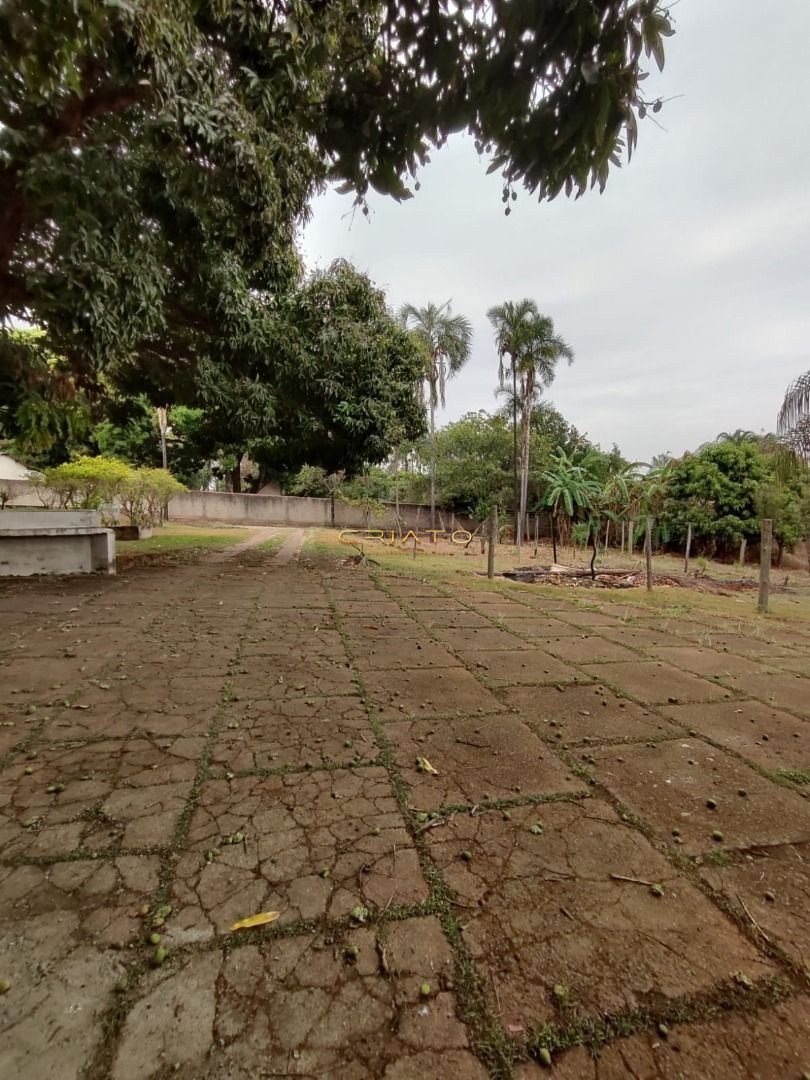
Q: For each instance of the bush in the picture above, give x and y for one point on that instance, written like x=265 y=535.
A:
x=88 y=484
x=151 y=489
x=108 y=485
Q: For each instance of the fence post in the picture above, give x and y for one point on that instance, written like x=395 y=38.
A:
x=765 y=541
x=648 y=550
x=493 y=540
x=688 y=547
x=742 y=551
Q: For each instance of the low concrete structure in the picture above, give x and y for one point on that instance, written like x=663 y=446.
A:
x=54 y=542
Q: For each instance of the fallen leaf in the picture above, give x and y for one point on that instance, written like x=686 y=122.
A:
x=423 y=765
x=256 y=920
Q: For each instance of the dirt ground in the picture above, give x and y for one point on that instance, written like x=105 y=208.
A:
x=505 y=828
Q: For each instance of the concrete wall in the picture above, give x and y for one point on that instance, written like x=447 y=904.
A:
x=22 y=492
x=294 y=510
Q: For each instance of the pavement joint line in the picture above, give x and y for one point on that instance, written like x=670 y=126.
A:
x=487 y=1038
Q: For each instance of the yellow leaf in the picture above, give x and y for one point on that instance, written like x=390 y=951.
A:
x=423 y=765
x=256 y=920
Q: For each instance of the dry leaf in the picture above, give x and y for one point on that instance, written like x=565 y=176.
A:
x=423 y=765
x=256 y=920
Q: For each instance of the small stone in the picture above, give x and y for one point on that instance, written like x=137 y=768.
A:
x=350 y=954
x=5 y=986
x=711 y=804
x=770 y=897
x=28 y=770
x=326 y=873
x=466 y=856
x=742 y=792
x=718 y=836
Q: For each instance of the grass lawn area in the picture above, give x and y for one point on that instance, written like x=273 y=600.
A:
x=178 y=543
x=449 y=562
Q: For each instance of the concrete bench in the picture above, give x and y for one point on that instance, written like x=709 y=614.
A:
x=54 y=542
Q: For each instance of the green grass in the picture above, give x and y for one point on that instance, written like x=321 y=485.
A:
x=178 y=543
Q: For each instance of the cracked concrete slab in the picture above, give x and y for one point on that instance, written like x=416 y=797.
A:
x=539 y=909
x=674 y=784
x=312 y=845
x=478 y=759
x=351 y=1007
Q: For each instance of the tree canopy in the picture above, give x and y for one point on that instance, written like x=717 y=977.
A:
x=155 y=158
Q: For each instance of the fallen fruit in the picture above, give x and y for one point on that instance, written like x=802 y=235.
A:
x=560 y=992
x=425 y=990
x=537 y=829
x=424 y=766
x=154 y=939
x=466 y=856
x=769 y=896
x=712 y=804
x=159 y=956
x=663 y=1030
x=544 y=1057
x=359 y=913
x=717 y=835
x=5 y=986
x=657 y=890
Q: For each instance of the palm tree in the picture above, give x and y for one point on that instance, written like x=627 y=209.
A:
x=511 y=322
x=445 y=339
x=569 y=486
x=537 y=366
x=528 y=339
x=795 y=409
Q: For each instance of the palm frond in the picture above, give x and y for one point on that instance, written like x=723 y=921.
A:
x=796 y=403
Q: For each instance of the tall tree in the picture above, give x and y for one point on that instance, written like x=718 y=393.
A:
x=533 y=349
x=794 y=416
x=511 y=321
x=156 y=158
x=537 y=366
x=445 y=340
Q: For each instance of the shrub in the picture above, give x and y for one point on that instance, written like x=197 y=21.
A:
x=108 y=485
x=88 y=484
x=149 y=492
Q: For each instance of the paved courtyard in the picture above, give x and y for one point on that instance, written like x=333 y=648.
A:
x=499 y=827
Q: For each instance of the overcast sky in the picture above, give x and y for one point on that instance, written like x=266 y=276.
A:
x=684 y=290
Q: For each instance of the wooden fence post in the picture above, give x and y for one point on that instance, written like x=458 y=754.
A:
x=688 y=547
x=648 y=549
x=765 y=541
x=631 y=538
x=742 y=551
x=493 y=540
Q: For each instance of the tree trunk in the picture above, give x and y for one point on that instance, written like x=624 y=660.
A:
x=236 y=477
x=432 y=462
x=554 y=540
x=514 y=449
x=623 y=531
x=648 y=549
x=493 y=540
x=742 y=551
x=607 y=537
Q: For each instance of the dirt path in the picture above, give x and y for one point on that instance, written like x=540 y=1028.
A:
x=494 y=827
